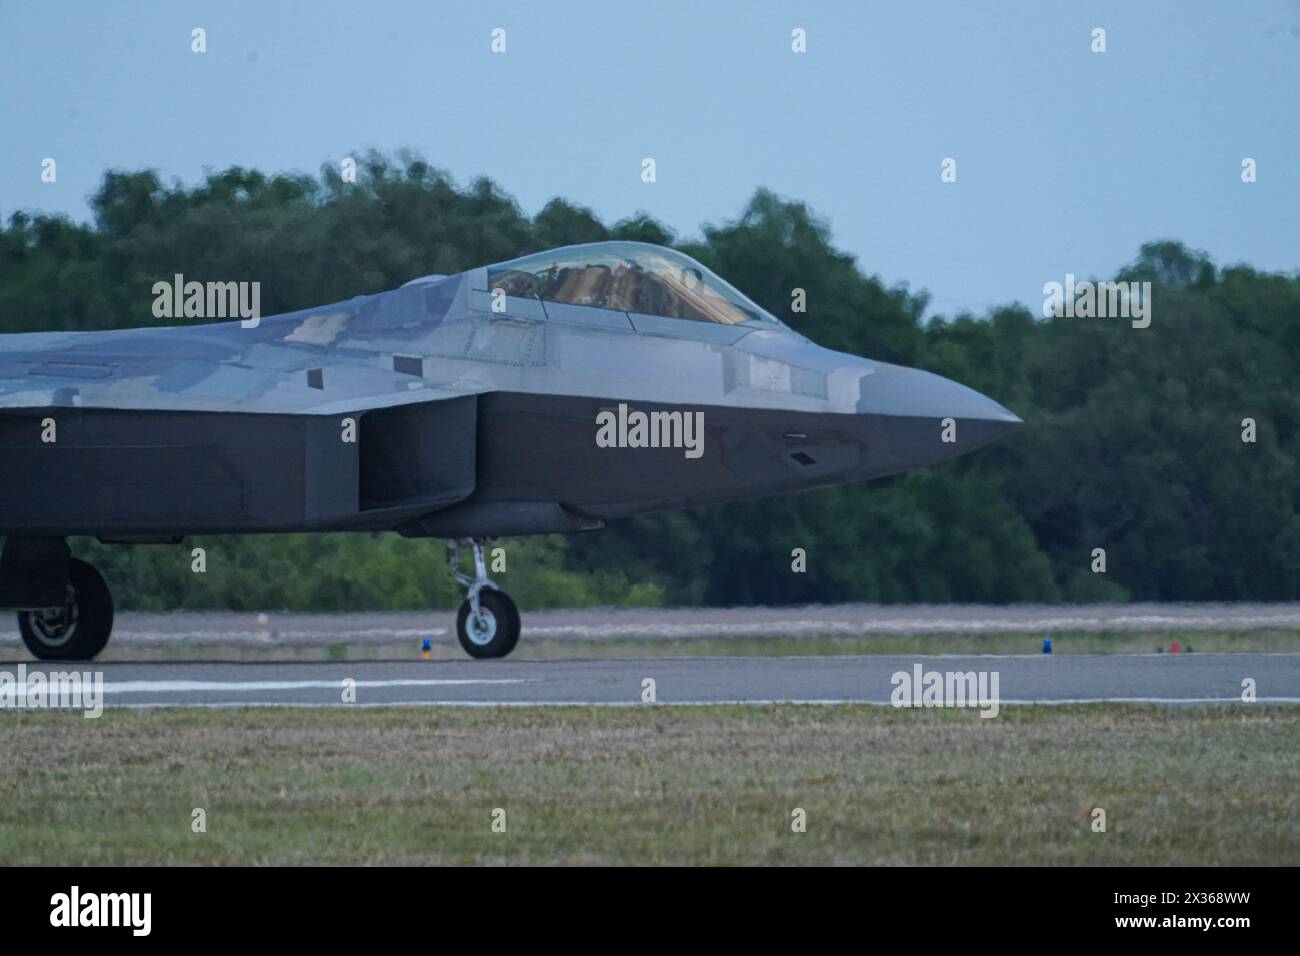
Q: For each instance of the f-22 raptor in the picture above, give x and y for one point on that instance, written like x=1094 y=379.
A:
x=551 y=393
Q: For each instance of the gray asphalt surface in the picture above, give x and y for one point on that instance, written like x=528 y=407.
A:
x=843 y=620
x=1173 y=679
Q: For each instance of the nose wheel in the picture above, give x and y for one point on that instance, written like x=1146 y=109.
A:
x=488 y=622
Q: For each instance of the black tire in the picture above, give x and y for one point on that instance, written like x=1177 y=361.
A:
x=501 y=633
x=79 y=630
x=516 y=625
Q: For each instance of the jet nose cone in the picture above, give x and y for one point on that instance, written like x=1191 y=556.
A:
x=995 y=412
x=913 y=393
x=919 y=417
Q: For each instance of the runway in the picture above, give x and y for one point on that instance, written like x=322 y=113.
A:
x=1167 y=679
x=228 y=628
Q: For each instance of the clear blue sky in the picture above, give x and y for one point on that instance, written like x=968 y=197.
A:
x=1067 y=160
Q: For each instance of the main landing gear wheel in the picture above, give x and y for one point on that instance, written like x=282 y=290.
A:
x=488 y=623
x=79 y=629
x=494 y=632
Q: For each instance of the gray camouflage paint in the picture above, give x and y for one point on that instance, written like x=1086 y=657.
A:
x=780 y=412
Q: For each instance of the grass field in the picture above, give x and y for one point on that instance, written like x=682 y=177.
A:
x=446 y=648
x=1217 y=785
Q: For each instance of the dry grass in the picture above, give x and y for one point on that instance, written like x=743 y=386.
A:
x=655 y=785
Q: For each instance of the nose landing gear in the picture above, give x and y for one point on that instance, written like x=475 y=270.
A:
x=488 y=622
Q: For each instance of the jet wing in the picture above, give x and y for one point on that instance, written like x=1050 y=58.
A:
x=296 y=363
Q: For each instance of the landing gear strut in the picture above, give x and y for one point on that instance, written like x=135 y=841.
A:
x=488 y=622
x=77 y=629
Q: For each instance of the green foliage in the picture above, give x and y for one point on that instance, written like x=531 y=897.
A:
x=1131 y=442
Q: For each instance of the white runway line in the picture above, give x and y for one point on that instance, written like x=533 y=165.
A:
x=181 y=686
x=231 y=704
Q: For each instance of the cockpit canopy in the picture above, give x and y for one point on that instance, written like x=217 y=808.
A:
x=633 y=277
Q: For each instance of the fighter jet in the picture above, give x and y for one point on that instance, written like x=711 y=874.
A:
x=551 y=393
